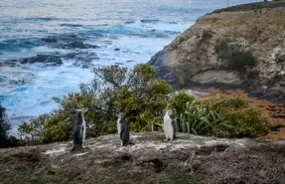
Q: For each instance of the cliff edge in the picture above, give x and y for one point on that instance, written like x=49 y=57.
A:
x=242 y=46
x=187 y=160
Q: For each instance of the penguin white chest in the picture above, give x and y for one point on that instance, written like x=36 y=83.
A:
x=119 y=126
x=84 y=129
x=167 y=126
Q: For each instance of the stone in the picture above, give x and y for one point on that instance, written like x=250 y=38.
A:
x=192 y=57
x=47 y=60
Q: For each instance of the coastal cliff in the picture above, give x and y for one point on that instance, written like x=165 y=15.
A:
x=239 y=46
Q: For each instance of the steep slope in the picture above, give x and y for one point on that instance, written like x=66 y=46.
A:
x=242 y=45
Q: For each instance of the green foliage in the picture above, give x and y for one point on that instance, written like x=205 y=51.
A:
x=178 y=103
x=238 y=119
x=136 y=92
x=5 y=139
x=235 y=57
x=223 y=117
x=143 y=99
x=247 y=122
x=197 y=119
x=225 y=102
x=179 y=100
x=4 y=127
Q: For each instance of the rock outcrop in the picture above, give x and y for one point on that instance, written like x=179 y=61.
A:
x=188 y=159
x=242 y=45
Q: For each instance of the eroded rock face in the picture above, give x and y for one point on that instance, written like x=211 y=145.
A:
x=192 y=56
x=185 y=160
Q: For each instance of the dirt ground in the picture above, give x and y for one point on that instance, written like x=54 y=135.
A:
x=187 y=160
x=275 y=113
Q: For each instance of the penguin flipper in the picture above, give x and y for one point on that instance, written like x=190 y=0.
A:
x=122 y=133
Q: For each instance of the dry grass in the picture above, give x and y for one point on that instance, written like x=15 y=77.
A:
x=187 y=160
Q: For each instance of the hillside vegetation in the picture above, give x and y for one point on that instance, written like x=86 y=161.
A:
x=143 y=98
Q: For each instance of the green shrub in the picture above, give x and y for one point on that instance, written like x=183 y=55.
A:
x=234 y=56
x=246 y=122
x=225 y=116
x=197 y=119
x=4 y=128
x=143 y=98
x=225 y=102
x=5 y=139
x=135 y=92
x=178 y=103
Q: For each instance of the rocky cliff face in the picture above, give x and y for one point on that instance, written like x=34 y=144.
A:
x=238 y=45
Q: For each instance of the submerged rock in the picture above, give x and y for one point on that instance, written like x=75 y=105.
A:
x=68 y=41
x=77 y=45
x=14 y=76
x=47 y=60
x=82 y=59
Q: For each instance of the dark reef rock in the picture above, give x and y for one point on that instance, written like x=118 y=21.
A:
x=68 y=41
x=82 y=59
x=47 y=60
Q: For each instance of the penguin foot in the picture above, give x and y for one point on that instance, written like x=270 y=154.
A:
x=131 y=143
x=76 y=148
x=165 y=140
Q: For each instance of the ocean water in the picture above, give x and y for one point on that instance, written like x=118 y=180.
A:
x=76 y=35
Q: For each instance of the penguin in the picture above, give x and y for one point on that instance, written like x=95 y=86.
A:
x=80 y=130
x=123 y=130
x=168 y=127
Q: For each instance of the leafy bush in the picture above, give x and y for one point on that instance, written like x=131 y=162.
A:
x=247 y=122
x=143 y=98
x=4 y=127
x=135 y=92
x=238 y=119
x=178 y=105
x=197 y=119
x=5 y=139
x=235 y=57
x=225 y=116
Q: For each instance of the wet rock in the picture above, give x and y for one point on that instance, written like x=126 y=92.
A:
x=50 y=39
x=276 y=94
x=63 y=38
x=47 y=60
x=68 y=41
x=77 y=45
x=13 y=76
x=71 y=25
x=82 y=59
x=119 y=63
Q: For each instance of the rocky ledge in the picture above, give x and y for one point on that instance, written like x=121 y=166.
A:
x=241 y=46
x=188 y=159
